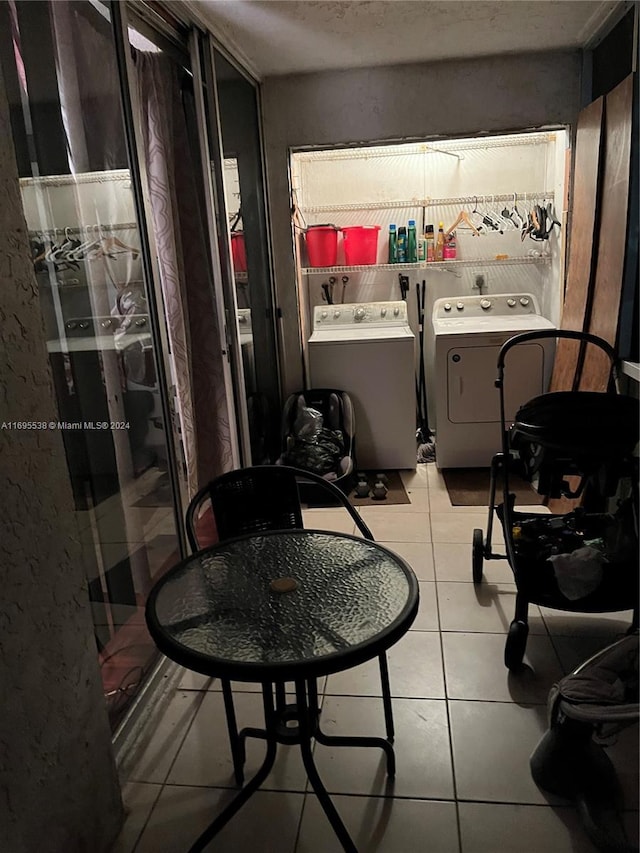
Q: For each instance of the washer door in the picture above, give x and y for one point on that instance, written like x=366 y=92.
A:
x=471 y=374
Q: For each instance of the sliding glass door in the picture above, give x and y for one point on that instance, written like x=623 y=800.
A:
x=232 y=119
x=141 y=173
x=60 y=67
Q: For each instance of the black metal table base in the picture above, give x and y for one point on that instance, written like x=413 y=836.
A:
x=278 y=729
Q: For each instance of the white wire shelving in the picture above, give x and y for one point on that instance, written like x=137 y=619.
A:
x=482 y=200
x=431 y=265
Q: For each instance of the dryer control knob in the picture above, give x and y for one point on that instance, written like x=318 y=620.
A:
x=511 y=302
x=485 y=304
x=447 y=306
x=359 y=313
x=396 y=312
x=336 y=314
x=383 y=312
x=460 y=306
x=524 y=300
x=324 y=315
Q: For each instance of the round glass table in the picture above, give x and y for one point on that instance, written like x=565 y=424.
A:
x=284 y=606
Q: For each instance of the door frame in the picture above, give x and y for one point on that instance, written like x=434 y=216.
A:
x=219 y=241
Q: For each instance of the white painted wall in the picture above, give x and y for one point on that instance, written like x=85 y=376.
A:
x=399 y=179
x=458 y=98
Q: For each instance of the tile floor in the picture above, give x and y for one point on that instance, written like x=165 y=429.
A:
x=465 y=726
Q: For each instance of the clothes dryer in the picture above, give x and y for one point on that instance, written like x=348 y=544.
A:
x=368 y=351
x=468 y=332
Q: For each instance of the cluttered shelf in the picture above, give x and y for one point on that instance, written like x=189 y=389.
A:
x=430 y=265
x=455 y=201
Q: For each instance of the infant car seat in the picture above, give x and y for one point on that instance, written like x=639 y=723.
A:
x=318 y=435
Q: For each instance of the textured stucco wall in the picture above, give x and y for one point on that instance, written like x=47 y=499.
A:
x=457 y=98
x=58 y=785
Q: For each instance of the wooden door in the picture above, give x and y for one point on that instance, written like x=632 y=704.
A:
x=582 y=242
x=612 y=237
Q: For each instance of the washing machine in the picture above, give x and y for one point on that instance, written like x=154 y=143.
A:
x=468 y=332
x=246 y=348
x=368 y=351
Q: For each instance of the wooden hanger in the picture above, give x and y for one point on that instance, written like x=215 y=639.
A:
x=463 y=216
x=109 y=243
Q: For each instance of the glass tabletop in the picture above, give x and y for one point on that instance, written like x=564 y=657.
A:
x=272 y=605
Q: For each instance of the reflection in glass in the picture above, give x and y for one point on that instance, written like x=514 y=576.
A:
x=245 y=209
x=168 y=134
x=70 y=145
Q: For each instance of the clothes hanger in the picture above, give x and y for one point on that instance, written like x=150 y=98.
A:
x=235 y=220
x=551 y=214
x=490 y=218
x=63 y=249
x=550 y=220
x=475 y=212
x=539 y=232
x=117 y=242
x=83 y=247
x=513 y=215
x=534 y=217
x=500 y=217
x=68 y=241
x=527 y=223
x=38 y=245
x=463 y=216
x=516 y=212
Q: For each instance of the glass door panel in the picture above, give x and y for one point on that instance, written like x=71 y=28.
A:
x=244 y=244
x=85 y=244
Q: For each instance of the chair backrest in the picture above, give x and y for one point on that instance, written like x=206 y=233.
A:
x=257 y=499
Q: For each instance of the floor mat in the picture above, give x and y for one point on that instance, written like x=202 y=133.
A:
x=470 y=487
x=396 y=492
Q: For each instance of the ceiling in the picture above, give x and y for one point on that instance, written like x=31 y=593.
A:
x=275 y=37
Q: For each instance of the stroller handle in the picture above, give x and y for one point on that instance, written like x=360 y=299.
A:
x=554 y=333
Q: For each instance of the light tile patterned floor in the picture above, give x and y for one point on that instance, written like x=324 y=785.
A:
x=465 y=726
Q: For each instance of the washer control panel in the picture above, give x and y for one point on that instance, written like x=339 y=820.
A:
x=501 y=304
x=361 y=313
x=244 y=320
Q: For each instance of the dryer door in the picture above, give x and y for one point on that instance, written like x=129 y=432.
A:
x=471 y=374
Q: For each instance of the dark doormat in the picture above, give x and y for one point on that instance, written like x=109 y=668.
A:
x=396 y=492
x=470 y=487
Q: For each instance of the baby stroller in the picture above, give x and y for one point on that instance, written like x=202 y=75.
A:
x=586 y=560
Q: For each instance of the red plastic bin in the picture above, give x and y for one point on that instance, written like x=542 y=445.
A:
x=238 y=251
x=360 y=244
x=322 y=245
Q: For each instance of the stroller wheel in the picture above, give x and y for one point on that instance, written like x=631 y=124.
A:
x=477 y=559
x=515 y=645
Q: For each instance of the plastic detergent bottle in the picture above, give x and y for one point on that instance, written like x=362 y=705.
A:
x=430 y=246
x=449 y=251
x=401 y=246
x=440 y=242
x=412 y=244
x=393 y=248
